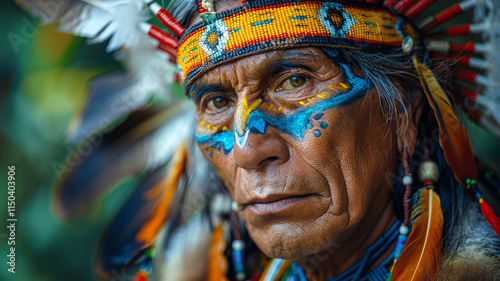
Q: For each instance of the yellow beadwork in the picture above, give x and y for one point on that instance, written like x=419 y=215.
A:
x=284 y=26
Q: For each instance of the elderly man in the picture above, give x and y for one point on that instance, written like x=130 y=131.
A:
x=316 y=117
x=302 y=130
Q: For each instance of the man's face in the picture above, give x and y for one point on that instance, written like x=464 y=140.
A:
x=300 y=143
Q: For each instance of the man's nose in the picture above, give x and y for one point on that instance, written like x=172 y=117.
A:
x=259 y=149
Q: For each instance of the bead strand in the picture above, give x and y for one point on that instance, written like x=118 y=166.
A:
x=238 y=246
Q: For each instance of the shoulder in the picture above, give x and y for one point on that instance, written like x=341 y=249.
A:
x=472 y=249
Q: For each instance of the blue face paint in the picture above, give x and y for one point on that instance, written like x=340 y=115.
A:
x=318 y=116
x=295 y=124
x=224 y=139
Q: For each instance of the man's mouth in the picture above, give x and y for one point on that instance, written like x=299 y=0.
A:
x=274 y=204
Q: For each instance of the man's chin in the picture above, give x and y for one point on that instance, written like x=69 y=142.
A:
x=292 y=240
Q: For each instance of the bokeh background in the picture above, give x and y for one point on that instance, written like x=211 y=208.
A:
x=44 y=80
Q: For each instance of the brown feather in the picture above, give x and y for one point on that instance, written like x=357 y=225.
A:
x=421 y=256
x=217 y=262
x=452 y=135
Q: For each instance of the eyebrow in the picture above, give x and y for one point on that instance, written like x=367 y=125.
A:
x=196 y=92
x=290 y=61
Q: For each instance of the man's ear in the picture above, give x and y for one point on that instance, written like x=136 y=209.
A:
x=412 y=117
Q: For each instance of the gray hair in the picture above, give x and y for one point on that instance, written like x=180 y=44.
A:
x=183 y=10
x=390 y=73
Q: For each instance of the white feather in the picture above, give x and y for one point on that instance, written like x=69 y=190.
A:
x=185 y=256
x=487 y=13
x=167 y=138
x=118 y=21
x=98 y=20
x=76 y=21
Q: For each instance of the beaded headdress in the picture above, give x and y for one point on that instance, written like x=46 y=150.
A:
x=259 y=26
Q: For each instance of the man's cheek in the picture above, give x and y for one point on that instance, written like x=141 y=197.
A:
x=225 y=168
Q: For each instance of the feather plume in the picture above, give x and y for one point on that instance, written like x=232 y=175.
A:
x=140 y=220
x=143 y=142
x=150 y=73
x=187 y=242
x=97 y=20
x=164 y=190
x=118 y=247
x=421 y=256
x=487 y=13
x=217 y=262
x=453 y=137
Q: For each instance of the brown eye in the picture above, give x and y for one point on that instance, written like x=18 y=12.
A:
x=217 y=103
x=293 y=82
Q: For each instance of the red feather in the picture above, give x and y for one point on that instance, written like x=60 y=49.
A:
x=421 y=256
x=490 y=216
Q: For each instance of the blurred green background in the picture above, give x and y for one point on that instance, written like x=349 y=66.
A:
x=43 y=86
x=44 y=78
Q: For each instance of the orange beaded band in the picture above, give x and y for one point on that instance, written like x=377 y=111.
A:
x=264 y=25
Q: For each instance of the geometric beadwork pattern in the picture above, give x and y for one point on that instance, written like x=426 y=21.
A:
x=260 y=26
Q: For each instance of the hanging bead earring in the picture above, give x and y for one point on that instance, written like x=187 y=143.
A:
x=424 y=240
x=238 y=247
x=403 y=229
x=145 y=268
x=207 y=9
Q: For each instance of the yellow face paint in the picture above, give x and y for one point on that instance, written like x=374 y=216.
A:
x=200 y=125
x=256 y=116
x=242 y=112
x=345 y=86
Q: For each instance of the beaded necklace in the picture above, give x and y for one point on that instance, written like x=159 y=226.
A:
x=355 y=272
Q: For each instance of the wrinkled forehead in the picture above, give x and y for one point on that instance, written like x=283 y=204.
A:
x=256 y=68
x=261 y=26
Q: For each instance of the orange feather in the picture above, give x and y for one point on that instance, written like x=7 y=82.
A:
x=453 y=137
x=166 y=190
x=217 y=262
x=421 y=256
